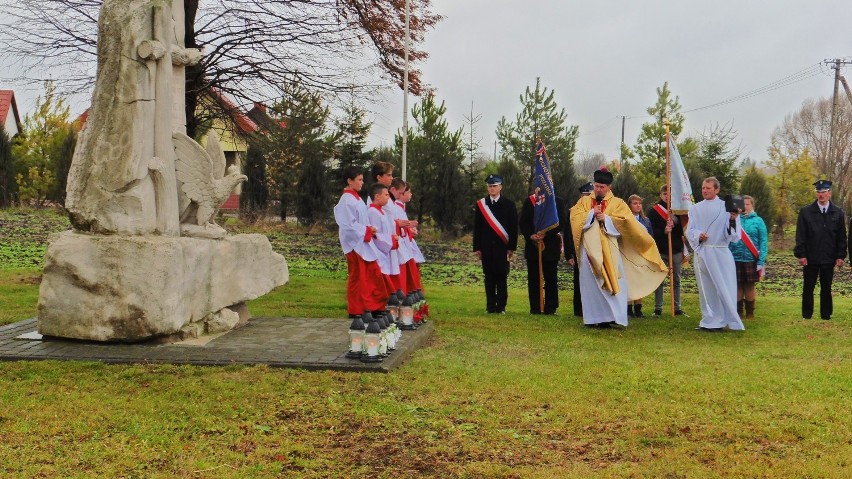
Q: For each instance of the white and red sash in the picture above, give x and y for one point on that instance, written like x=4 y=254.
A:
x=664 y=213
x=492 y=221
x=749 y=243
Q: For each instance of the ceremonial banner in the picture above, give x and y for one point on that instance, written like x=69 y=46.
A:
x=681 y=198
x=544 y=196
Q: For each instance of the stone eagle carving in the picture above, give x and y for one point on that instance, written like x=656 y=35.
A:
x=204 y=184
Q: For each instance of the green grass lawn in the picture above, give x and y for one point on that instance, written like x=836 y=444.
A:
x=490 y=396
x=514 y=396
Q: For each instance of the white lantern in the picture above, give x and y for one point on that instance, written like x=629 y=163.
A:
x=372 y=342
x=406 y=312
x=356 y=338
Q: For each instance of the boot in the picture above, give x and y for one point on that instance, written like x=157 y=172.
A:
x=630 y=310
x=749 y=309
x=740 y=308
x=637 y=311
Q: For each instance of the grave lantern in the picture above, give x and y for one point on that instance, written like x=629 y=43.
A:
x=356 y=338
x=372 y=340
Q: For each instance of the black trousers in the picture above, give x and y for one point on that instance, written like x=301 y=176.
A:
x=578 y=303
x=551 y=290
x=825 y=273
x=496 y=273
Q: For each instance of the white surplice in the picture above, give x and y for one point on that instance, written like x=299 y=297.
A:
x=715 y=271
x=388 y=260
x=350 y=213
x=599 y=305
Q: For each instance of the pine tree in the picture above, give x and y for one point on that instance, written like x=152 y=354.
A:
x=312 y=204
x=254 y=199
x=305 y=118
x=353 y=130
x=717 y=156
x=540 y=116
x=624 y=184
x=8 y=187
x=435 y=158
x=650 y=146
x=755 y=184
x=514 y=181
x=474 y=164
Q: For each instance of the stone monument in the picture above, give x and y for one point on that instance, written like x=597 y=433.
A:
x=145 y=257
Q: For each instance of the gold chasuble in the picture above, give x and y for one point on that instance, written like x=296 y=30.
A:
x=643 y=267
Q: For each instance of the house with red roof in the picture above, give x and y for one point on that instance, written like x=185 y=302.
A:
x=10 y=118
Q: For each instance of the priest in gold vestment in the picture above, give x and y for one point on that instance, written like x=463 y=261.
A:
x=619 y=260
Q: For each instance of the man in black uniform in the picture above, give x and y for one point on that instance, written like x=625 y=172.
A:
x=820 y=246
x=571 y=253
x=550 y=255
x=662 y=224
x=495 y=238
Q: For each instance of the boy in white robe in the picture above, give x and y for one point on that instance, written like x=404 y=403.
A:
x=365 y=287
x=387 y=242
x=709 y=231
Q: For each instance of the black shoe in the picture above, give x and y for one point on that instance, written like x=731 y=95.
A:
x=637 y=311
x=599 y=325
x=823 y=317
x=806 y=317
x=658 y=312
x=710 y=330
x=679 y=312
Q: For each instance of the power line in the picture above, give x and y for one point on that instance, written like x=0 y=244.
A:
x=801 y=75
x=600 y=127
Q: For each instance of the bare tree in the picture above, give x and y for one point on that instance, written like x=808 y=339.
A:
x=252 y=48
x=808 y=129
x=587 y=162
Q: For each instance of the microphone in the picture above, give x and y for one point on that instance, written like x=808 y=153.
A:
x=599 y=200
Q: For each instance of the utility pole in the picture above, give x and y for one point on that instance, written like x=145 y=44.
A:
x=405 y=96
x=621 y=150
x=837 y=63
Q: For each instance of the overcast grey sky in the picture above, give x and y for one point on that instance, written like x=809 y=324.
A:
x=606 y=58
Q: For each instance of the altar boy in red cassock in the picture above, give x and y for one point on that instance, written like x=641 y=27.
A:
x=365 y=287
x=385 y=239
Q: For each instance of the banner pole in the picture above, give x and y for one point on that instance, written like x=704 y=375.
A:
x=540 y=277
x=669 y=205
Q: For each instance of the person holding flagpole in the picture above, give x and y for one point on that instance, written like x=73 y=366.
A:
x=668 y=218
x=709 y=231
x=750 y=257
x=618 y=258
x=668 y=229
x=539 y=224
x=495 y=239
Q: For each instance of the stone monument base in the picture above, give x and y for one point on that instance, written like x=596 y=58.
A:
x=134 y=288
